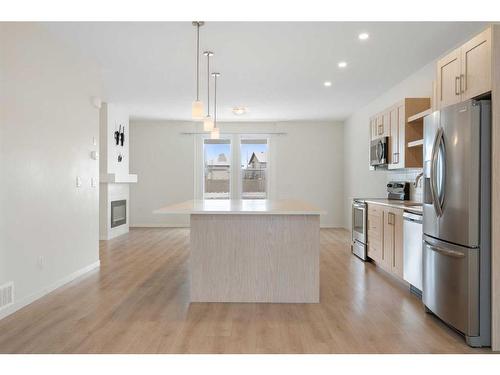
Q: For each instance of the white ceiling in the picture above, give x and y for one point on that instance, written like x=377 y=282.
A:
x=276 y=69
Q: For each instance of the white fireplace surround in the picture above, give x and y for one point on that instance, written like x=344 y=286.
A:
x=114 y=175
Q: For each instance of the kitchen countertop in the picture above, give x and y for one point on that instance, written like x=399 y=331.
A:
x=410 y=206
x=241 y=207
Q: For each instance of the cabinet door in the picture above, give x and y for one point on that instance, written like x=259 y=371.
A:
x=476 y=66
x=380 y=125
x=395 y=139
x=401 y=114
x=386 y=124
x=373 y=128
x=375 y=232
x=397 y=251
x=388 y=239
x=448 y=76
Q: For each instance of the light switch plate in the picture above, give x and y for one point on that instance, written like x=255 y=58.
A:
x=93 y=182
x=94 y=155
x=78 y=181
x=94 y=141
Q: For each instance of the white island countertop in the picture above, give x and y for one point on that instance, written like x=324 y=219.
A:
x=241 y=207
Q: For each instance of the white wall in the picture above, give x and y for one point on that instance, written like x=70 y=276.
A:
x=47 y=124
x=307 y=163
x=359 y=181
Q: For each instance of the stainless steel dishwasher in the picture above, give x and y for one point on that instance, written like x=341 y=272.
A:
x=412 y=265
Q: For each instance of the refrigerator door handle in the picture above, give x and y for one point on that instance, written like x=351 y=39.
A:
x=434 y=195
x=441 y=250
x=442 y=182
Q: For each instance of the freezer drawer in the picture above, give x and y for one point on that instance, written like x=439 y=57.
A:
x=451 y=284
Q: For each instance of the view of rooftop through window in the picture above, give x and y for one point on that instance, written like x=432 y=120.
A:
x=254 y=154
x=253 y=168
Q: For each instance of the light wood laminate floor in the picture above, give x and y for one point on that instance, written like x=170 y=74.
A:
x=138 y=303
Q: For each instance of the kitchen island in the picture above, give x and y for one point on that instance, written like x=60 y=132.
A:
x=252 y=250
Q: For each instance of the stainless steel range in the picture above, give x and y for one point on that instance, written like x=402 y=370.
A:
x=359 y=229
x=397 y=190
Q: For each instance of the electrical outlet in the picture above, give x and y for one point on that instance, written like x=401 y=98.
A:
x=78 y=181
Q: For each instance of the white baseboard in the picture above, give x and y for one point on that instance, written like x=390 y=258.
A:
x=159 y=225
x=44 y=291
x=168 y=225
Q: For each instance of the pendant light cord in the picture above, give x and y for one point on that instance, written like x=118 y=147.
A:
x=208 y=84
x=215 y=101
x=198 y=61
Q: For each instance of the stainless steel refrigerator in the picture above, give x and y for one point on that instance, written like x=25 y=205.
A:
x=456 y=222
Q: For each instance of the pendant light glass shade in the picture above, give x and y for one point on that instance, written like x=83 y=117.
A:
x=197 y=110
x=208 y=123
x=215 y=133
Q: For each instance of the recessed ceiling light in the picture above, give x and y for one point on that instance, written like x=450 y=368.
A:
x=342 y=64
x=327 y=83
x=239 y=110
x=363 y=36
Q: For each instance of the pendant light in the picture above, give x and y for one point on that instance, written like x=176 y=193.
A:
x=208 y=122
x=197 y=107
x=215 y=133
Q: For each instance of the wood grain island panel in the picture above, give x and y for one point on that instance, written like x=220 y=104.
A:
x=252 y=250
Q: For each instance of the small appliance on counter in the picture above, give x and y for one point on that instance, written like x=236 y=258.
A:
x=398 y=190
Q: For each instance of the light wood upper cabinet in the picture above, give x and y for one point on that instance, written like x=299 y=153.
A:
x=476 y=65
x=373 y=128
x=448 y=77
x=466 y=72
x=397 y=136
x=393 y=123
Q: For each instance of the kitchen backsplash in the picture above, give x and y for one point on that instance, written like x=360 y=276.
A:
x=408 y=175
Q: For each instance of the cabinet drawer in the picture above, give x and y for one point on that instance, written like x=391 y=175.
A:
x=375 y=210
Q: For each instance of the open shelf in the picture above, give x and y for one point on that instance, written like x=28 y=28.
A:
x=418 y=142
x=419 y=115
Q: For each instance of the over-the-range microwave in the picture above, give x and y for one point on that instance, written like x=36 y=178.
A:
x=379 y=151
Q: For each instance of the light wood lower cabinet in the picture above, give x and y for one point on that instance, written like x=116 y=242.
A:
x=385 y=237
x=375 y=231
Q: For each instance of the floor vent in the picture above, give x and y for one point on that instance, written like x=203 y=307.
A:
x=6 y=295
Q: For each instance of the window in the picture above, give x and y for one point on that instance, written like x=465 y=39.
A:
x=236 y=166
x=254 y=155
x=217 y=169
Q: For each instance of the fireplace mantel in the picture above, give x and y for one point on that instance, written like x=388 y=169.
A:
x=113 y=178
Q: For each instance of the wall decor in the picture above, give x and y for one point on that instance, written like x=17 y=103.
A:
x=120 y=157
x=117 y=135
x=122 y=136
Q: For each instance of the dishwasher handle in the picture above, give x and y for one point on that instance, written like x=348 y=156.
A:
x=414 y=218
